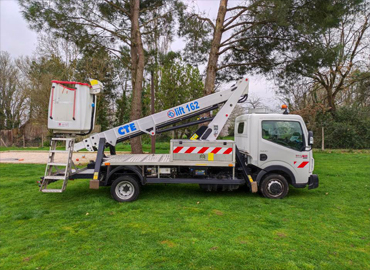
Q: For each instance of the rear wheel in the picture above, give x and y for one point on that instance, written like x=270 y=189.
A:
x=274 y=186
x=125 y=189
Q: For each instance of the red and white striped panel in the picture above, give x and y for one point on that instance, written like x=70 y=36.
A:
x=202 y=150
x=300 y=164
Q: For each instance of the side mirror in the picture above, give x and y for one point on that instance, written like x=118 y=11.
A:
x=310 y=138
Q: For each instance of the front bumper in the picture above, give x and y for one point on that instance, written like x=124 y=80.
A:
x=313 y=181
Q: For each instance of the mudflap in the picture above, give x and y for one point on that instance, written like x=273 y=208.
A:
x=254 y=187
x=313 y=181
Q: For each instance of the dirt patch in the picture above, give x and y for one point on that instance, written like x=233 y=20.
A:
x=168 y=243
x=218 y=212
x=281 y=234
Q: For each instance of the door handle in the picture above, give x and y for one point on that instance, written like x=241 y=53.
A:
x=263 y=157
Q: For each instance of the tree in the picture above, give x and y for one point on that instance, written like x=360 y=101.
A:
x=330 y=59
x=13 y=101
x=114 y=25
x=360 y=91
x=255 y=102
x=179 y=83
x=101 y=66
x=56 y=59
x=257 y=35
x=52 y=47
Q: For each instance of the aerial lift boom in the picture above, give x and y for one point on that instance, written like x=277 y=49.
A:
x=152 y=123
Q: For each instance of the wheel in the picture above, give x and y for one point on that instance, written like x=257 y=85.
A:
x=274 y=186
x=125 y=189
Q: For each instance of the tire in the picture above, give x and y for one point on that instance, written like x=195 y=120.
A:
x=125 y=189
x=274 y=186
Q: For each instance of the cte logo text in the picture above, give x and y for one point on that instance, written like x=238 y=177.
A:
x=126 y=129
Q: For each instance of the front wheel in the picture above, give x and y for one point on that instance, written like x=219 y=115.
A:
x=125 y=189
x=274 y=186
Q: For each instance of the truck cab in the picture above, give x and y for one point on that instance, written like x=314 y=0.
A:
x=278 y=148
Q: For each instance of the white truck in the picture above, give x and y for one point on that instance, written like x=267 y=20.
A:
x=270 y=151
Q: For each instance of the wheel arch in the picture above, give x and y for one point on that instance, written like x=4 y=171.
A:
x=288 y=174
x=132 y=170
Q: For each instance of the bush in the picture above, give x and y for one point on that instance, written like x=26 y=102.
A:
x=350 y=128
x=47 y=143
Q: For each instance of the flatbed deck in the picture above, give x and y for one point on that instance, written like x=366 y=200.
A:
x=160 y=160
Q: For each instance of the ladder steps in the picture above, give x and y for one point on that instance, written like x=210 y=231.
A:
x=57 y=164
x=54 y=177
x=51 y=190
x=54 y=173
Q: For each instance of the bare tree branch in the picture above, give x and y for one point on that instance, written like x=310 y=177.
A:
x=234 y=35
x=118 y=7
x=237 y=7
x=238 y=65
x=203 y=19
x=242 y=23
x=234 y=18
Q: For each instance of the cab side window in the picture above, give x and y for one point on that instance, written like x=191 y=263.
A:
x=240 y=127
x=285 y=133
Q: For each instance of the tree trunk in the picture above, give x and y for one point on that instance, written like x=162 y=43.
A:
x=137 y=72
x=213 y=55
x=122 y=105
x=215 y=47
x=322 y=139
x=331 y=102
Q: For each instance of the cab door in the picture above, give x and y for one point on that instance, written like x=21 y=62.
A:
x=282 y=143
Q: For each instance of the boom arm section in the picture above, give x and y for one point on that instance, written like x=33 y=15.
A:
x=149 y=123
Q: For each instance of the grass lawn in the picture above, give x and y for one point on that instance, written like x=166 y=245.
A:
x=181 y=227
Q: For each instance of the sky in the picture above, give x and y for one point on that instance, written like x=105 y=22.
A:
x=19 y=40
x=15 y=35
